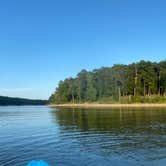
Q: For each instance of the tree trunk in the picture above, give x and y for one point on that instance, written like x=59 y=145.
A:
x=119 y=95
x=144 y=89
x=72 y=98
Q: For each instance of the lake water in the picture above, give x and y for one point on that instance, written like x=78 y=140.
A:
x=82 y=137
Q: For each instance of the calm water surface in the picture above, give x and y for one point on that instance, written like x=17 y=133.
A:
x=82 y=137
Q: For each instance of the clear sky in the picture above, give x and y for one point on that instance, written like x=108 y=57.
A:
x=44 y=41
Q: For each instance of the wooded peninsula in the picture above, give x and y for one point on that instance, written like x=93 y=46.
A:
x=6 y=101
x=142 y=82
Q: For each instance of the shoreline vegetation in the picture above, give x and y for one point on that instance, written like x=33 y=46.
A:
x=133 y=84
x=95 y=105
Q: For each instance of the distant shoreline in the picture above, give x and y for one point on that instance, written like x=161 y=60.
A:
x=88 y=105
x=15 y=101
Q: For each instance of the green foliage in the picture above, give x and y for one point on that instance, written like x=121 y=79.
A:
x=137 y=82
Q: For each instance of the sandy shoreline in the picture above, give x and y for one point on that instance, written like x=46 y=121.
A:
x=88 y=105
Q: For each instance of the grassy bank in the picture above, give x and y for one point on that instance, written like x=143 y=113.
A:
x=125 y=101
x=95 y=105
x=133 y=99
x=153 y=99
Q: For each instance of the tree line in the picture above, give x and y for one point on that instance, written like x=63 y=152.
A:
x=114 y=83
x=5 y=101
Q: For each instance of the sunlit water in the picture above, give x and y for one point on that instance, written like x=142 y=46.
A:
x=82 y=137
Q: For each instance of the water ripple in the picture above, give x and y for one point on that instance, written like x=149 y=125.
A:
x=65 y=138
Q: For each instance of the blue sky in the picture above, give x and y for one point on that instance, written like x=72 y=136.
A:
x=44 y=41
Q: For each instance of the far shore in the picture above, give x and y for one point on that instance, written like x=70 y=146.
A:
x=94 y=105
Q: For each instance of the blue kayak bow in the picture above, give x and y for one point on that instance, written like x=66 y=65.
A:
x=38 y=163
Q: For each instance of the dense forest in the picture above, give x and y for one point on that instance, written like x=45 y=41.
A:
x=144 y=81
x=5 y=101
